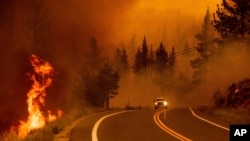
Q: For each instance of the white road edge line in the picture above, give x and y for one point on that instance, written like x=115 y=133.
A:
x=210 y=122
x=94 y=130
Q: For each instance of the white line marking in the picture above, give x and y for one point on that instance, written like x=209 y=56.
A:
x=94 y=130
x=208 y=120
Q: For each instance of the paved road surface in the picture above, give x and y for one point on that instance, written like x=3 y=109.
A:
x=139 y=125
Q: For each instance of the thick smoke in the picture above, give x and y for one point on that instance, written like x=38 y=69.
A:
x=70 y=25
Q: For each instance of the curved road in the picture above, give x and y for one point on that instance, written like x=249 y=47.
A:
x=143 y=125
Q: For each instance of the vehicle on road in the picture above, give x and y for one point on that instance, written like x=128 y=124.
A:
x=160 y=103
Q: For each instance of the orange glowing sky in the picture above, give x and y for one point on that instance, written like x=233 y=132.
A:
x=112 y=22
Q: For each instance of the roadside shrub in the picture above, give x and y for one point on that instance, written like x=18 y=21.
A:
x=219 y=99
x=239 y=94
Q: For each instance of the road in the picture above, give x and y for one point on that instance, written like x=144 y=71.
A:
x=143 y=125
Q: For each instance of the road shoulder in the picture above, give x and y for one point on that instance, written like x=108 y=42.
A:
x=211 y=118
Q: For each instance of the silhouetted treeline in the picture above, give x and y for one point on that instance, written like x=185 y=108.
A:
x=229 y=29
x=232 y=24
x=158 y=60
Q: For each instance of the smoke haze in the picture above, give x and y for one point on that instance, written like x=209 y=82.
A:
x=112 y=23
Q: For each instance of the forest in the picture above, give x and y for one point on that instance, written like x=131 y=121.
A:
x=96 y=65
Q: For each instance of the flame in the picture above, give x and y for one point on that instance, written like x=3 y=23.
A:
x=52 y=117
x=42 y=79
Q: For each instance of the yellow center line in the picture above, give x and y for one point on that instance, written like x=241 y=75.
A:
x=167 y=129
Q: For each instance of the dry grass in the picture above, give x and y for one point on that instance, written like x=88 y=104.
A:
x=231 y=115
x=51 y=129
x=45 y=134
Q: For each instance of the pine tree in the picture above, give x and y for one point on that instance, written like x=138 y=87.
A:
x=124 y=60
x=144 y=53
x=121 y=63
x=103 y=86
x=141 y=58
x=172 y=65
x=151 y=58
x=107 y=82
x=232 y=20
x=205 y=50
x=161 y=59
x=138 y=62
x=172 y=61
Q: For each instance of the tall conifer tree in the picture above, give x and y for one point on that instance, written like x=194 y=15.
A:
x=205 y=50
x=232 y=19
